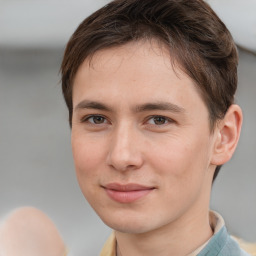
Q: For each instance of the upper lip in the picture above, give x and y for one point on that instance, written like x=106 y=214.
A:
x=127 y=187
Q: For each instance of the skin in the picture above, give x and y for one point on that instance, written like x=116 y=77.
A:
x=129 y=135
x=29 y=232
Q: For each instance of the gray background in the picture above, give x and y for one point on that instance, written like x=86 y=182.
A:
x=36 y=159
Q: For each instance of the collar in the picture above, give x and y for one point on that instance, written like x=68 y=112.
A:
x=109 y=248
x=216 y=222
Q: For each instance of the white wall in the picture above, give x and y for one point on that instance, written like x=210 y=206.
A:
x=35 y=156
x=47 y=23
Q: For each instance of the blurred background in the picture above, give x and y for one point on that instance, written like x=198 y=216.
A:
x=35 y=154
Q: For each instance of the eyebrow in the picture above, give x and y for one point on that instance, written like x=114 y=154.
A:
x=85 y=104
x=165 y=106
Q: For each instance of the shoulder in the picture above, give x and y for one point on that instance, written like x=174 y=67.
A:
x=234 y=248
x=222 y=244
x=247 y=247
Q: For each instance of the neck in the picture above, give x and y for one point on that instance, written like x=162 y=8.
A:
x=180 y=238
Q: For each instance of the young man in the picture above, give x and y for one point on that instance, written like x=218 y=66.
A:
x=150 y=90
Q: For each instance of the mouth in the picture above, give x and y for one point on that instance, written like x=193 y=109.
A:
x=127 y=193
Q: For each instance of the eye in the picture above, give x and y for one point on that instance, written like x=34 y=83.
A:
x=159 y=120
x=95 y=119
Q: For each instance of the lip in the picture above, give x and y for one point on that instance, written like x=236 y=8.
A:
x=127 y=193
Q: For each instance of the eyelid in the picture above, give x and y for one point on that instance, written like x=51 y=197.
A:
x=168 y=119
x=85 y=119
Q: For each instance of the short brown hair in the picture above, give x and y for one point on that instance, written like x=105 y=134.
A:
x=196 y=38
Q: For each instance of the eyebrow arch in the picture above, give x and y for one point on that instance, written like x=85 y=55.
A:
x=160 y=106
x=165 y=106
x=85 y=104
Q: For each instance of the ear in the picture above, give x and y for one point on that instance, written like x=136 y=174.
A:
x=227 y=135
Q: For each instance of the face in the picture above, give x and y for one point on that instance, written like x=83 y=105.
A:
x=141 y=139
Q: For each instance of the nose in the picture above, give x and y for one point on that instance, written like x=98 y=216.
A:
x=125 y=151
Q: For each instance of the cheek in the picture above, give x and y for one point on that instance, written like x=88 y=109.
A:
x=181 y=168
x=181 y=158
x=88 y=156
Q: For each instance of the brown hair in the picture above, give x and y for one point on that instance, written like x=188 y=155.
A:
x=196 y=38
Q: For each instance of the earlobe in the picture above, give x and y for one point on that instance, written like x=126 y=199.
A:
x=227 y=135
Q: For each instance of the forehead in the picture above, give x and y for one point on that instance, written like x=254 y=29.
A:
x=146 y=55
x=143 y=70
x=146 y=48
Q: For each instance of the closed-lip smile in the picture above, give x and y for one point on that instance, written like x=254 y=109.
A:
x=127 y=193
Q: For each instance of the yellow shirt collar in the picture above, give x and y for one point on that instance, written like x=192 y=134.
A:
x=216 y=222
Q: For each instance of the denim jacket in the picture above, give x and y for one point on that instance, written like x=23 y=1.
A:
x=221 y=244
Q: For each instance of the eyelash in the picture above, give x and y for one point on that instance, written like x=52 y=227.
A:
x=165 y=119
x=86 y=119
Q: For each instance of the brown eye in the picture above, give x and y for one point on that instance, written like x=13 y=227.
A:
x=96 y=119
x=159 y=120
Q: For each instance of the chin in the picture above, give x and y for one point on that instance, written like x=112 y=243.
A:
x=129 y=228
x=129 y=224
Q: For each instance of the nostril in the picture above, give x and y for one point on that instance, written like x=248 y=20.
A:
x=124 y=162
x=124 y=149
